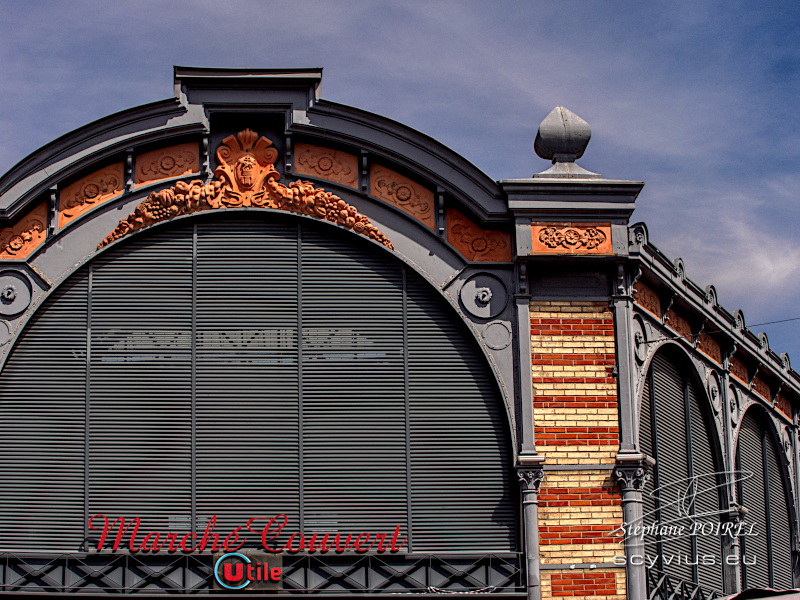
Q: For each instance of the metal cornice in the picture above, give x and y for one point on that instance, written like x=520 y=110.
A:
x=437 y=163
x=724 y=321
x=70 y=142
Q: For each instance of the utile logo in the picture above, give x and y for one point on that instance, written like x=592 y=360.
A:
x=256 y=570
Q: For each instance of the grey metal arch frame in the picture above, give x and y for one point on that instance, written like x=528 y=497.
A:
x=774 y=534
x=202 y=95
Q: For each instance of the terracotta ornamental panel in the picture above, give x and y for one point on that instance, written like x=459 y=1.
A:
x=679 y=324
x=246 y=177
x=782 y=403
x=90 y=192
x=762 y=388
x=166 y=163
x=399 y=191
x=324 y=163
x=647 y=299
x=571 y=238
x=475 y=243
x=21 y=239
x=708 y=346
x=739 y=370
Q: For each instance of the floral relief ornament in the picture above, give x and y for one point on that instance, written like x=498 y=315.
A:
x=246 y=176
x=570 y=237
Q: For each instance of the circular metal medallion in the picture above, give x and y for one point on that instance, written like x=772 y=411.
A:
x=497 y=335
x=15 y=292
x=484 y=296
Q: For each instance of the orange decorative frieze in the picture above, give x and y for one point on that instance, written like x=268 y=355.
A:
x=679 y=324
x=475 y=243
x=762 y=388
x=89 y=192
x=399 y=191
x=166 y=163
x=708 y=346
x=332 y=165
x=647 y=299
x=783 y=405
x=571 y=238
x=245 y=177
x=739 y=370
x=20 y=240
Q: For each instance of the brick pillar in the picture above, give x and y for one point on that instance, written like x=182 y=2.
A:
x=577 y=431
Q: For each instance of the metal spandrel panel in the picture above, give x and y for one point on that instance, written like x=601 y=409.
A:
x=42 y=415
x=354 y=438
x=246 y=370
x=458 y=436
x=140 y=402
x=780 y=523
x=673 y=463
x=707 y=487
x=755 y=546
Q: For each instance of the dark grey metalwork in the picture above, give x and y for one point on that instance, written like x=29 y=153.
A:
x=192 y=573
x=632 y=479
x=530 y=479
x=661 y=586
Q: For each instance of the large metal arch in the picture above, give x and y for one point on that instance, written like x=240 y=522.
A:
x=459 y=314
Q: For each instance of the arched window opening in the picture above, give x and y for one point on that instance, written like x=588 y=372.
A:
x=682 y=499
x=767 y=550
x=245 y=368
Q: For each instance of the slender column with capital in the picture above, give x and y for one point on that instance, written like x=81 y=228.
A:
x=631 y=480
x=530 y=479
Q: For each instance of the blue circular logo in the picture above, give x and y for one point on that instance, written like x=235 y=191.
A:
x=219 y=578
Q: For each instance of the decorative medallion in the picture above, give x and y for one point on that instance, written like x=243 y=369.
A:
x=739 y=370
x=15 y=293
x=497 y=335
x=762 y=388
x=640 y=346
x=733 y=397
x=708 y=346
x=335 y=166
x=647 y=299
x=90 y=192
x=571 y=238
x=483 y=295
x=246 y=176
x=679 y=324
x=399 y=191
x=21 y=239
x=713 y=392
x=166 y=163
x=474 y=243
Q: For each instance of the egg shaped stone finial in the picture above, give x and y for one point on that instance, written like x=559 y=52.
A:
x=562 y=136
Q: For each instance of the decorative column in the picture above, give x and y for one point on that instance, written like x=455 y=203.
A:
x=632 y=479
x=530 y=479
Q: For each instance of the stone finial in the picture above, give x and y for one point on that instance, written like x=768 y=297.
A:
x=562 y=139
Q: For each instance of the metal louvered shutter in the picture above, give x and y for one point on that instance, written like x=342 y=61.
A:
x=779 y=521
x=751 y=489
x=43 y=413
x=706 y=492
x=354 y=425
x=140 y=378
x=450 y=399
x=673 y=463
x=242 y=368
x=247 y=409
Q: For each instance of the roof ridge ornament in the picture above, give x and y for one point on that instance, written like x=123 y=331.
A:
x=562 y=139
x=246 y=176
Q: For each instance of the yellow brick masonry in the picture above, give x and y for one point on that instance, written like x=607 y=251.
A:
x=576 y=423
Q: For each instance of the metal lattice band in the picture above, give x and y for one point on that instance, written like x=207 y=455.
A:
x=661 y=586
x=99 y=573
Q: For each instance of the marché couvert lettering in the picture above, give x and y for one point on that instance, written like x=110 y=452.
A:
x=126 y=536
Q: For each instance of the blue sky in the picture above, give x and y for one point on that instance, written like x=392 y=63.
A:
x=697 y=99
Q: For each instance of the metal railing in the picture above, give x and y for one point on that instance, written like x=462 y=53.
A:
x=342 y=574
x=661 y=586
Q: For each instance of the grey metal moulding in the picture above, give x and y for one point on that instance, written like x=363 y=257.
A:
x=245 y=368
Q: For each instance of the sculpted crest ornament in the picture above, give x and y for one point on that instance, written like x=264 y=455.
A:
x=246 y=176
